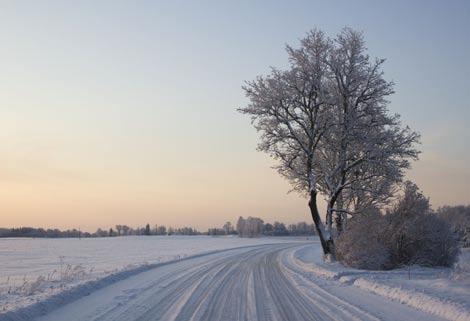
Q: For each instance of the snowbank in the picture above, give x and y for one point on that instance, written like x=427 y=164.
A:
x=443 y=292
x=446 y=309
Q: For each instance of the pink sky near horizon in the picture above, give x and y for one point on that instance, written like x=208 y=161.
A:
x=118 y=113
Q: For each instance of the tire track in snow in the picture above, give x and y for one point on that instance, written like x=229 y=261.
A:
x=251 y=284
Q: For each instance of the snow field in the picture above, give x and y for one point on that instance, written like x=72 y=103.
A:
x=34 y=270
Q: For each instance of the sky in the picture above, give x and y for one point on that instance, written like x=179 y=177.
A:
x=124 y=112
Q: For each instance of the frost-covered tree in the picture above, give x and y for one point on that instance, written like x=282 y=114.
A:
x=291 y=110
x=160 y=230
x=228 y=228
x=147 y=229
x=325 y=121
x=241 y=226
x=280 y=229
x=268 y=229
x=250 y=227
x=366 y=149
x=125 y=229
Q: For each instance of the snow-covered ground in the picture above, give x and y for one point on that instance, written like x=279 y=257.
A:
x=258 y=279
x=34 y=269
x=444 y=292
x=255 y=283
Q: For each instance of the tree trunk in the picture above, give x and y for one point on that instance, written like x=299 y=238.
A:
x=339 y=222
x=329 y=228
x=329 y=217
x=327 y=245
x=339 y=216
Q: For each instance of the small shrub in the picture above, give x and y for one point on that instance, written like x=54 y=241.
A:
x=415 y=235
x=360 y=245
x=36 y=285
x=408 y=234
x=436 y=242
x=459 y=218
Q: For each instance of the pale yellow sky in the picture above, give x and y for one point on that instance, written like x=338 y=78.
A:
x=113 y=113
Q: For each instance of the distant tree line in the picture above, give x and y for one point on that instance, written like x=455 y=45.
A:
x=123 y=230
x=249 y=227
x=254 y=227
x=40 y=232
x=227 y=229
x=118 y=230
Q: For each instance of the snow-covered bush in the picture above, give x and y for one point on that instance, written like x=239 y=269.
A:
x=415 y=235
x=459 y=218
x=462 y=267
x=361 y=245
x=410 y=233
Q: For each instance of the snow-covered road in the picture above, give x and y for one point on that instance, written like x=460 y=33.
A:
x=250 y=283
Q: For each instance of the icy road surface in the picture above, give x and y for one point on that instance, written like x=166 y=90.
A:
x=252 y=283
